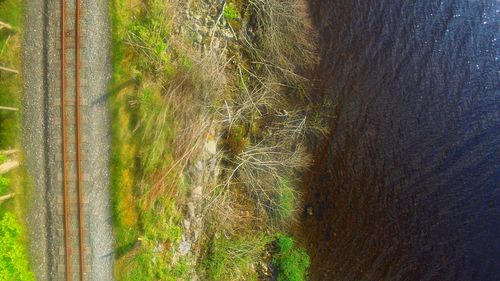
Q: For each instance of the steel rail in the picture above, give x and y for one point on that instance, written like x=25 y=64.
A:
x=64 y=132
x=64 y=140
x=78 y=145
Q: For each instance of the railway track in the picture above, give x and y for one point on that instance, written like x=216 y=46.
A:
x=73 y=256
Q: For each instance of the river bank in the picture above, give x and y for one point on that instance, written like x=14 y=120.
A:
x=210 y=121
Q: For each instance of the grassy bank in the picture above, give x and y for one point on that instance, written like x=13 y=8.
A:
x=144 y=207
x=169 y=98
x=14 y=263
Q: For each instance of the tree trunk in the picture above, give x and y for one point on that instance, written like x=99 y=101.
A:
x=8 y=166
x=5 y=25
x=9 y=151
x=6 y=197
x=8 y=108
x=9 y=69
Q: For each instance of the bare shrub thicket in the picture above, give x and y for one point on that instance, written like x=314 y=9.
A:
x=270 y=108
x=286 y=42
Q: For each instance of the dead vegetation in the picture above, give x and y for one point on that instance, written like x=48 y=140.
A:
x=268 y=116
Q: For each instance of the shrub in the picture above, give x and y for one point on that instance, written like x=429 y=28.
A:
x=13 y=258
x=292 y=262
x=286 y=37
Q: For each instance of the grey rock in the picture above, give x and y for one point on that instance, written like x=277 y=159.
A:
x=197 y=192
x=186 y=224
x=199 y=165
x=309 y=210
x=191 y=209
x=216 y=44
x=184 y=248
x=211 y=145
x=159 y=247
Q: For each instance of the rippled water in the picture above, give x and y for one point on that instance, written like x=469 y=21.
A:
x=407 y=185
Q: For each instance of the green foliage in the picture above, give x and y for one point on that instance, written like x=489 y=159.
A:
x=13 y=259
x=4 y=183
x=231 y=12
x=292 y=262
x=232 y=259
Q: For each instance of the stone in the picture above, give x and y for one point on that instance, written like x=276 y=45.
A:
x=309 y=210
x=191 y=209
x=216 y=43
x=184 y=248
x=199 y=165
x=197 y=192
x=186 y=224
x=197 y=233
x=211 y=147
x=158 y=248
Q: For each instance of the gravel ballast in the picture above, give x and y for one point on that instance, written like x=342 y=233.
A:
x=41 y=137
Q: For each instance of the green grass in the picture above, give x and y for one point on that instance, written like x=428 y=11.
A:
x=146 y=216
x=292 y=262
x=287 y=202
x=233 y=259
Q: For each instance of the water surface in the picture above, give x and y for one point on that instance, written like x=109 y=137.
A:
x=407 y=185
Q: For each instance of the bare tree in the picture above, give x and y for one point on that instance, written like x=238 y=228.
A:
x=6 y=26
x=9 y=151
x=9 y=69
x=6 y=197
x=8 y=166
x=9 y=108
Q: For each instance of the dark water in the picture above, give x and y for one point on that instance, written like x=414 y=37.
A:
x=407 y=185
